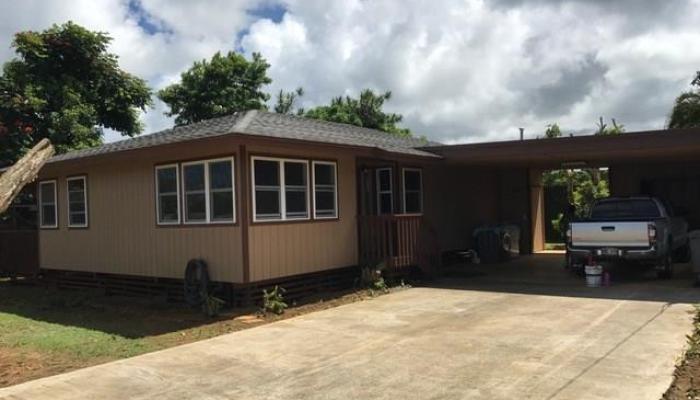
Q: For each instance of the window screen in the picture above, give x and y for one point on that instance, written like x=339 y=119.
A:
x=194 y=181
x=77 y=202
x=413 y=191
x=268 y=203
x=385 y=196
x=47 y=204
x=167 y=192
x=325 y=190
x=295 y=190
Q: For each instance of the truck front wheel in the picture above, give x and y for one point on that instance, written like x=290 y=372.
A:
x=665 y=268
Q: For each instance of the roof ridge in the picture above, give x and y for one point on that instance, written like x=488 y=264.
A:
x=340 y=124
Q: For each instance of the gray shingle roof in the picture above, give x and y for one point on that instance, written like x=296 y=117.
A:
x=262 y=123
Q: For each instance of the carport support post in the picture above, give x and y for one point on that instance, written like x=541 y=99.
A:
x=537 y=209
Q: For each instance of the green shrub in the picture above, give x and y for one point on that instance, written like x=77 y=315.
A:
x=211 y=305
x=371 y=278
x=273 y=301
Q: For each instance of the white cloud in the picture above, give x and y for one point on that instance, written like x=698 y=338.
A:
x=473 y=70
x=459 y=71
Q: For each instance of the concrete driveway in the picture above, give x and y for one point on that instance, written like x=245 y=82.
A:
x=489 y=336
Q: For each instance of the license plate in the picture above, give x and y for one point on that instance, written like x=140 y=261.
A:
x=609 y=251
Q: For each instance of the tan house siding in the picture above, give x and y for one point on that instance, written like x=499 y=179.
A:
x=279 y=249
x=122 y=237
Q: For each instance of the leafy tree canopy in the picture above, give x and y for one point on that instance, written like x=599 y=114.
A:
x=286 y=101
x=552 y=131
x=605 y=129
x=221 y=86
x=367 y=111
x=66 y=87
x=686 y=109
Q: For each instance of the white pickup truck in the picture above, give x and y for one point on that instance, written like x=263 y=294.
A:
x=634 y=229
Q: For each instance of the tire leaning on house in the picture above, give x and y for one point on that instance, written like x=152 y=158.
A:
x=196 y=282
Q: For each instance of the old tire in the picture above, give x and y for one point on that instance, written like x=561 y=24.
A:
x=665 y=269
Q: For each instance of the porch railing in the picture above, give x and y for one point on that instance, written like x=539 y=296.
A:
x=391 y=239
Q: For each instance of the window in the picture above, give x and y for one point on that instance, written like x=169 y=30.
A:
x=267 y=202
x=48 y=212
x=222 y=199
x=325 y=190
x=208 y=191
x=194 y=187
x=412 y=191
x=167 y=195
x=77 y=202
x=385 y=195
x=295 y=189
x=281 y=189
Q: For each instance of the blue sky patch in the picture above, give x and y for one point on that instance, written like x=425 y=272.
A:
x=145 y=20
x=272 y=11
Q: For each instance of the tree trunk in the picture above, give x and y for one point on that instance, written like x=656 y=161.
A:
x=22 y=172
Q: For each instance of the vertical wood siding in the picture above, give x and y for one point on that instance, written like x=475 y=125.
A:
x=279 y=249
x=122 y=237
x=459 y=199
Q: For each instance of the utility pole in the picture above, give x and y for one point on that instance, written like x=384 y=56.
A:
x=522 y=133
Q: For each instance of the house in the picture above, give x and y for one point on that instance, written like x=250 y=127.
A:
x=266 y=198
x=259 y=196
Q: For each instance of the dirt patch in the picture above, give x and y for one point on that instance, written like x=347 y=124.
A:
x=19 y=366
x=686 y=381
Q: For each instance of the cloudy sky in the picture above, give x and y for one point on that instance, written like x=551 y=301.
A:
x=459 y=71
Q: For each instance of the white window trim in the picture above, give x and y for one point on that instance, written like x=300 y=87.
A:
x=157 y=192
x=207 y=191
x=85 y=200
x=403 y=185
x=380 y=192
x=283 y=198
x=55 y=204
x=335 y=188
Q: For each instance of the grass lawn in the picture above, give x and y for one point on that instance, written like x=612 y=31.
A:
x=45 y=332
x=554 y=246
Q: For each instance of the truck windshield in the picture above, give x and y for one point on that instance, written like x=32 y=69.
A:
x=625 y=209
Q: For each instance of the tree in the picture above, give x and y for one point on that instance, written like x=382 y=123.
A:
x=604 y=129
x=287 y=100
x=686 y=109
x=365 y=111
x=22 y=172
x=552 y=131
x=221 y=86
x=66 y=87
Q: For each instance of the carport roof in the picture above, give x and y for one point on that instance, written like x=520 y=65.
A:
x=593 y=150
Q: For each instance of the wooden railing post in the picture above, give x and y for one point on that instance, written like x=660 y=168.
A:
x=392 y=239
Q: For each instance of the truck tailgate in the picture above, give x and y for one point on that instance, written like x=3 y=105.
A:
x=609 y=234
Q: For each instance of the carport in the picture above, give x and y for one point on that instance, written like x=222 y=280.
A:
x=501 y=181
